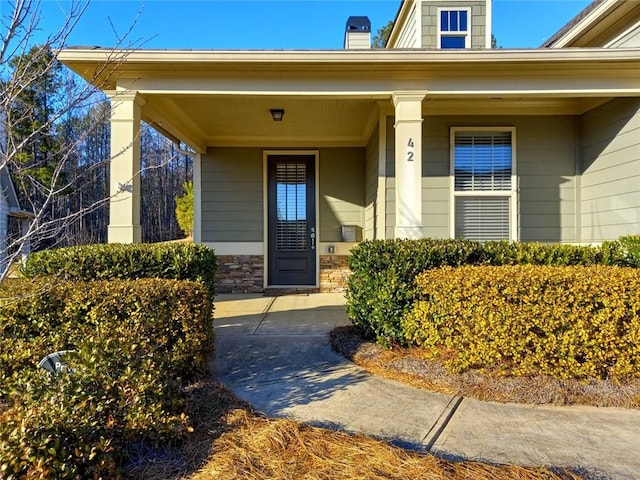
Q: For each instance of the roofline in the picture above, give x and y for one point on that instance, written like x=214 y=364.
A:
x=395 y=22
x=584 y=20
x=378 y=56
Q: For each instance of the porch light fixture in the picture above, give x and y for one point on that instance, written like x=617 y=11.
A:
x=277 y=114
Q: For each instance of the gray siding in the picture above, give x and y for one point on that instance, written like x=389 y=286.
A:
x=610 y=151
x=232 y=195
x=4 y=214
x=4 y=217
x=547 y=159
x=371 y=186
x=631 y=39
x=546 y=163
x=478 y=21
x=342 y=191
x=390 y=189
x=233 y=189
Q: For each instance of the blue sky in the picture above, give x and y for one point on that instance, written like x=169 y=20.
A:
x=276 y=24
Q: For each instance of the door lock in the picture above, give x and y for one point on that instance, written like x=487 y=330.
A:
x=313 y=238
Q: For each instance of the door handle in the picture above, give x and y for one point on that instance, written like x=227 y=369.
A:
x=313 y=238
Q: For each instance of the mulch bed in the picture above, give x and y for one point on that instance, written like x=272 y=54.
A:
x=414 y=367
x=232 y=442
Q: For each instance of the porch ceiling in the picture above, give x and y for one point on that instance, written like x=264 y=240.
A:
x=223 y=120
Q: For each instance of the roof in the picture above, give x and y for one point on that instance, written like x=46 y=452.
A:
x=598 y=25
x=572 y=23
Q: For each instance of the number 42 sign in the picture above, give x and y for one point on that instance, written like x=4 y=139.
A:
x=410 y=150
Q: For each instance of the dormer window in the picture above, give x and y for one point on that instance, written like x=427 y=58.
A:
x=454 y=28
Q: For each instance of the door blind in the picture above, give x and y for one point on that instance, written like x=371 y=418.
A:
x=291 y=191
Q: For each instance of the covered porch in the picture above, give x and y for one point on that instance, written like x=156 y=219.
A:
x=365 y=147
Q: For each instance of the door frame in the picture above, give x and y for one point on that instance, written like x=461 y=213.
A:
x=265 y=215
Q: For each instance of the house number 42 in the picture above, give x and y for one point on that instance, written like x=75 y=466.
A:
x=410 y=152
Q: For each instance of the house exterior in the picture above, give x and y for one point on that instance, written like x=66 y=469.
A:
x=10 y=209
x=300 y=155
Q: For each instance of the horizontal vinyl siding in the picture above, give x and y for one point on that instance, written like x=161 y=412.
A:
x=232 y=195
x=371 y=186
x=435 y=177
x=342 y=191
x=610 y=151
x=390 y=215
x=631 y=39
x=4 y=212
x=358 y=40
x=408 y=37
x=546 y=157
x=430 y=21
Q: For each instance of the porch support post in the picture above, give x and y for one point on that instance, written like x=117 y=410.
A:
x=408 y=163
x=197 y=198
x=124 y=204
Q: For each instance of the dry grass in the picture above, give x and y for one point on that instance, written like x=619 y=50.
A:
x=414 y=367
x=232 y=442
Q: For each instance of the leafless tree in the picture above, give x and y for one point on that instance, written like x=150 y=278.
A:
x=54 y=140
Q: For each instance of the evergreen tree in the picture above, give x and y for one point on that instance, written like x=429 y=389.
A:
x=381 y=37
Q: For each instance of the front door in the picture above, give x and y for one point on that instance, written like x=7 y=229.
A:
x=292 y=219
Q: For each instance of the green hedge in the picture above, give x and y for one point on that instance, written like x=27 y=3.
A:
x=567 y=322
x=180 y=261
x=136 y=345
x=381 y=288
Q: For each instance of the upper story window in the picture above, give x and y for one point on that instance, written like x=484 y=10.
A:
x=454 y=28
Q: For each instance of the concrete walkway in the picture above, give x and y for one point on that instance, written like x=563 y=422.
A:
x=274 y=353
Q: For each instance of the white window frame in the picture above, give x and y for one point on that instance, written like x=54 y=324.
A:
x=466 y=34
x=512 y=194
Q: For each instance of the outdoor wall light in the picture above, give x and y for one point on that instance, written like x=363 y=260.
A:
x=277 y=114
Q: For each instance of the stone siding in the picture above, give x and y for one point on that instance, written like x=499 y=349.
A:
x=334 y=273
x=240 y=274
x=245 y=274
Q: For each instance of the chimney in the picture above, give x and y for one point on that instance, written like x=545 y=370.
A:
x=357 y=33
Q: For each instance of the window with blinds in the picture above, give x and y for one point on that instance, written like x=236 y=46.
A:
x=483 y=190
x=291 y=191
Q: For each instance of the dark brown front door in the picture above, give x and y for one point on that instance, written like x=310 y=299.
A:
x=292 y=219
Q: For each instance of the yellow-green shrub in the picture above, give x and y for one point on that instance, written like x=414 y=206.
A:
x=136 y=345
x=179 y=261
x=382 y=284
x=567 y=322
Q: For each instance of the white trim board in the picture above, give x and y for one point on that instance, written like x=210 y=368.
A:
x=236 y=248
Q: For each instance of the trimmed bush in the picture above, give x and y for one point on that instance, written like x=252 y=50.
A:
x=136 y=345
x=382 y=285
x=180 y=261
x=567 y=322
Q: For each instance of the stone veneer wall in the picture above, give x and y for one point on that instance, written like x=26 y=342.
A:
x=334 y=273
x=245 y=273
x=240 y=274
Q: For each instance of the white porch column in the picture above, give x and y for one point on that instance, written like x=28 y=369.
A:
x=197 y=198
x=408 y=162
x=124 y=205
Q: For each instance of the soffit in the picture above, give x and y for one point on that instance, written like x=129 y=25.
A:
x=246 y=120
